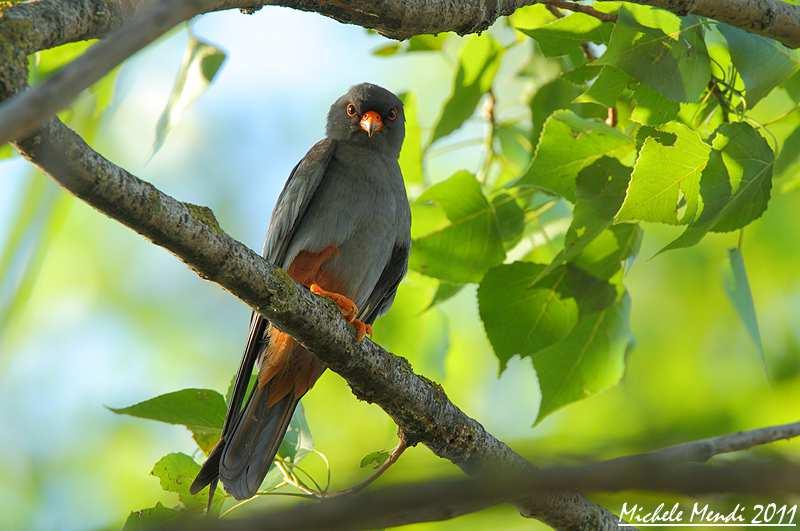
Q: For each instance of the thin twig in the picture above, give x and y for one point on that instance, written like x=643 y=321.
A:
x=581 y=8
x=491 y=127
x=705 y=449
x=392 y=459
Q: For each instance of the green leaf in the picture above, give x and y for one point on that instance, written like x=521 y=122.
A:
x=202 y=411
x=651 y=108
x=735 y=185
x=6 y=151
x=201 y=62
x=763 y=63
x=427 y=43
x=444 y=291
x=510 y=219
x=531 y=17
x=515 y=148
x=478 y=63
x=588 y=360
x=470 y=244
x=557 y=94
x=45 y=63
x=665 y=183
x=411 y=153
x=375 y=459
x=176 y=473
x=568 y=144
x=738 y=289
x=601 y=188
x=152 y=518
x=675 y=63
x=563 y=35
x=606 y=88
x=417 y=43
x=521 y=319
x=524 y=312
x=297 y=442
x=606 y=254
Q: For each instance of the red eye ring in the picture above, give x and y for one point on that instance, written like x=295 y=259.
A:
x=392 y=116
x=350 y=109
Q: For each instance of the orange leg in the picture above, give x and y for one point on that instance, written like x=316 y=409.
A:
x=347 y=307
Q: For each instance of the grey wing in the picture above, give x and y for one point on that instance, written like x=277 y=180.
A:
x=385 y=289
x=292 y=204
x=295 y=198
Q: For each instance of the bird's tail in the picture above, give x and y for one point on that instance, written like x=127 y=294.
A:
x=242 y=459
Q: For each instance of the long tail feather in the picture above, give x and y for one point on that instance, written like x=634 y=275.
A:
x=249 y=452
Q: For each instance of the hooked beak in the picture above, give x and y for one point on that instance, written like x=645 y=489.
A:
x=371 y=123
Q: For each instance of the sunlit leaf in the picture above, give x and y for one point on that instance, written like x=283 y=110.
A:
x=588 y=360
x=762 y=62
x=531 y=17
x=202 y=411
x=45 y=63
x=606 y=88
x=601 y=188
x=735 y=185
x=470 y=244
x=568 y=144
x=201 y=62
x=555 y=95
x=666 y=192
x=478 y=63
x=417 y=43
x=176 y=473
x=738 y=289
x=651 y=108
x=563 y=35
x=675 y=64
x=374 y=459
x=411 y=153
x=510 y=219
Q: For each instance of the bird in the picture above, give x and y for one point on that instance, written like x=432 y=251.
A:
x=341 y=227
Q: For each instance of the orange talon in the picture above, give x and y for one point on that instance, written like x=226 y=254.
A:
x=362 y=329
x=347 y=306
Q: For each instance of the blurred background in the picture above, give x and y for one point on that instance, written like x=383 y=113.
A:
x=93 y=315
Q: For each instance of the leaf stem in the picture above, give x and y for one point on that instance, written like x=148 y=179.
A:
x=392 y=459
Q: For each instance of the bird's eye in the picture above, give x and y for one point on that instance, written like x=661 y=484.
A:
x=392 y=116
x=351 y=109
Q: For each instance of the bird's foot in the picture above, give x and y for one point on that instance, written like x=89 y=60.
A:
x=345 y=304
x=362 y=329
x=347 y=307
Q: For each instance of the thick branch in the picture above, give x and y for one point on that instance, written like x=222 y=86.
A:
x=775 y=19
x=419 y=407
x=444 y=499
x=37 y=24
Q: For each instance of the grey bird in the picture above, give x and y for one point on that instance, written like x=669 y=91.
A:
x=341 y=227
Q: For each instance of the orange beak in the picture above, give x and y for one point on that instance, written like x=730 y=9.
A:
x=371 y=123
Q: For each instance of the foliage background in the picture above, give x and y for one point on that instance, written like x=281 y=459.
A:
x=92 y=314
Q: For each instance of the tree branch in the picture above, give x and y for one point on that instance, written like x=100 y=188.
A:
x=705 y=449
x=419 y=407
x=38 y=24
x=444 y=499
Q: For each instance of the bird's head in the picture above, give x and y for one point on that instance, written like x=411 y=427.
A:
x=368 y=115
